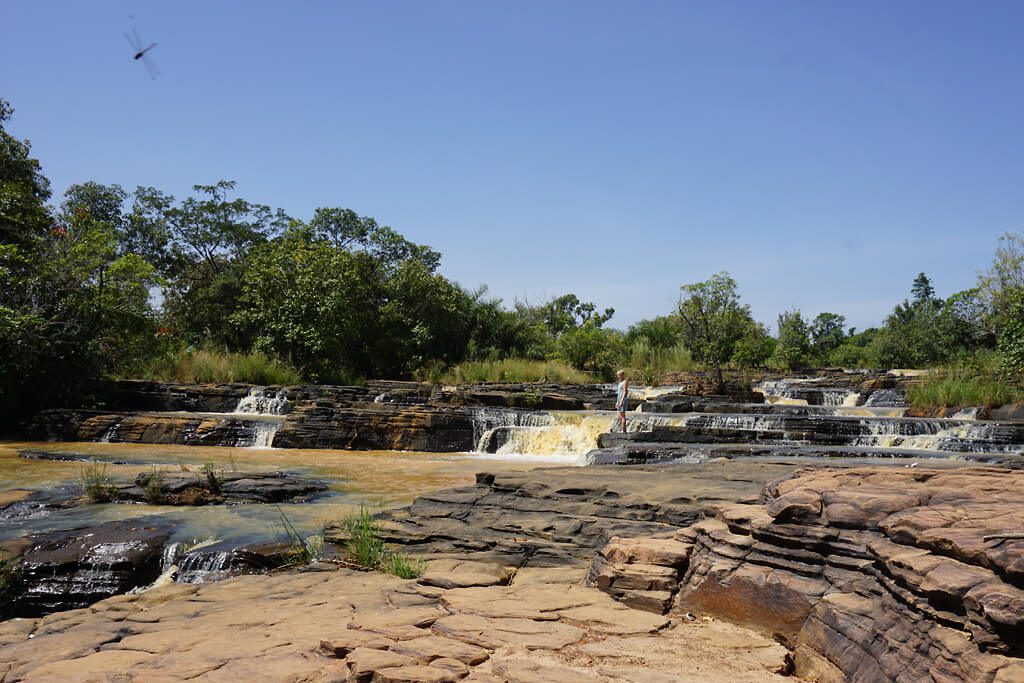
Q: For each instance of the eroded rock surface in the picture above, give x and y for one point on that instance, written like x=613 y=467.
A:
x=871 y=574
x=339 y=625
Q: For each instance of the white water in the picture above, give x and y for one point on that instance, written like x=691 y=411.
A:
x=264 y=404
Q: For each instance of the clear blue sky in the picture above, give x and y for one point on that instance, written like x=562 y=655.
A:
x=822 y=152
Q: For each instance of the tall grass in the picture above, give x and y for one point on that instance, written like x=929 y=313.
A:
x=365 y=547
x=206 y=366
x=975 y=382
x=95 y=483
x=512 y=370
x=649 y=364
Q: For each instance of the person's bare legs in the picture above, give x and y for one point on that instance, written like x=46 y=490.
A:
x=622 y=421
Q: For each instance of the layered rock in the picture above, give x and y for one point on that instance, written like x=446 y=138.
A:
x=216 y=487
x=869 y=574
x=377 y=426
x=559 y=518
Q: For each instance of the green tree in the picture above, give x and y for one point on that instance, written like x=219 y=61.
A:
x=794 y=341
x=754 y=347
x=713 y=320
x=999 y=286
x=591 y=348
x=660 y=333
x=567 y=312
x=200 y=245
x=827 y=333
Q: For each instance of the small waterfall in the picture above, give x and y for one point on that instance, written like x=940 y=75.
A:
x=487 y=420
x=886 y=398
x=201 y=567
x=563 y=434
x=804 y=392
x=263 y=401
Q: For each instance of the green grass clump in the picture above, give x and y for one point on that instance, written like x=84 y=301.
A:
x=206 y=366
x=513 y=370
x=366 y=548
x=95 y=483
x=965 y=384
x=155 y=486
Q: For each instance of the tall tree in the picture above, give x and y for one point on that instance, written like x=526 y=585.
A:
x=713 y=320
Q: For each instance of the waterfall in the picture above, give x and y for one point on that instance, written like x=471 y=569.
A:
x=201 y=567
x=263 y=402
x=260 y=401
x=562 y=434
x=487 y=420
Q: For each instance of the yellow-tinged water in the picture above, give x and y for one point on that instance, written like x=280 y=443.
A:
x=374 y=478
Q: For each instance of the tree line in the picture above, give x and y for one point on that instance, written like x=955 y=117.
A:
x=105 y=282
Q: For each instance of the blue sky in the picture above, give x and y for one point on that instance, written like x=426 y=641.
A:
x=823 y=153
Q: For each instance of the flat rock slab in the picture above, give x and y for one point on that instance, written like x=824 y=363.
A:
x=493 y=633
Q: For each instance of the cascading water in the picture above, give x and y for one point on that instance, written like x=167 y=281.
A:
x=562 y=435
x=263 y=403
x=202 y=567
x=805 y=392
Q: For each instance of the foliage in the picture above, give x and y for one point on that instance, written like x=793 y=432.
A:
x=662 y=332
x=512 y=370
x=591 y=349
x=754 y=348
x=827 y=333
x=567 y=313
x=1011 y=339
x=999 y=285
x=713 y=320
x=976 y=381
x=207 y=366
x=95 y=483
x=794 y=346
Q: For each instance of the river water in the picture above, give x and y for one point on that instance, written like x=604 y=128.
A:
x=371 y=478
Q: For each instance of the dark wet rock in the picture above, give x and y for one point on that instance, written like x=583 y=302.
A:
x=203 y=487
x=377 y=426
x=138 y=395
x=558 y=517
x=156 y=428
x=75 y=568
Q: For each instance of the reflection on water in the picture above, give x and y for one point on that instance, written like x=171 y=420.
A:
x=374 y=478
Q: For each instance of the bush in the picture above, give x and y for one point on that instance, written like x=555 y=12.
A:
x=205 y=366
x=301 y=549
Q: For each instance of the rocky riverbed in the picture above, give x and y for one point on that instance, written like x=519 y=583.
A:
x=696 y=572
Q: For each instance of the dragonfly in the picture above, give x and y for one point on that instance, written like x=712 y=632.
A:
x=140 y=53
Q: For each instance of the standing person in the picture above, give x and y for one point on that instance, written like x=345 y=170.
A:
x=622 y=399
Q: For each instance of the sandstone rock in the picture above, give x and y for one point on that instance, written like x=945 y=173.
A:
x=492 y=633
x=415 y=674
x=364 y=662
x=430 y=647
x=344 y=643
